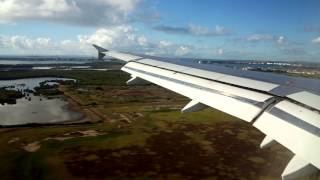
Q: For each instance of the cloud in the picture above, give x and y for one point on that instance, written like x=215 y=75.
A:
x=259 y=38
x=122 y=38
x=79 y=12
x=278 y=43
x=23 y=42
x=142 y=41
x=182 y=50
x=126 y=38
x=167 y=48
x=164 y=44
x=316 y=40
x=219 y=51
x=194 y=30
x=281 y=40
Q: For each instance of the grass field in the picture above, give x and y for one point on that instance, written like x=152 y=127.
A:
x=141 y=135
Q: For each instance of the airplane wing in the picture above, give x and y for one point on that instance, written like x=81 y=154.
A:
x=286 y=109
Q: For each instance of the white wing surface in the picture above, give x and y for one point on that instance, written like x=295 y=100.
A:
x=286 y=109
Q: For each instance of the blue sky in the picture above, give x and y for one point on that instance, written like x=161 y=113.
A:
x=222 y=29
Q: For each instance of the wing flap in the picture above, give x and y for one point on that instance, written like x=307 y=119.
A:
x=224 y=88
x=254 y=84
x=307 y=98
x=294 y=129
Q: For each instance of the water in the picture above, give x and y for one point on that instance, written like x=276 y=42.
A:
x=39 y=109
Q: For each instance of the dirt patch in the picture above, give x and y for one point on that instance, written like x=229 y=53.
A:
x=125 y=119
x=90 y=133
x=32 y=147
x=13 y=140
x=76 y=134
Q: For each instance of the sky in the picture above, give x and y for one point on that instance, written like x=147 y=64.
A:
x=287 y=30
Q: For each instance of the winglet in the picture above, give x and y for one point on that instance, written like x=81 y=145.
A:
x=100 y=51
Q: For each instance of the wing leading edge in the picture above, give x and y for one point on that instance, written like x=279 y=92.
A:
x=288 y=113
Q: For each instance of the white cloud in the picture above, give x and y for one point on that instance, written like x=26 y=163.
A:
x=142 y=41
x=182 y=50
x=281 y=40
x=66 y=42
x=119 y=37
x=23 y=42
x=316 y=40
x=122 y=38
x=50 y=8
x=219 y=51
x=259 y=37
x=220 y=30
x=100 y=37
x=80 y=12
x=197 y=30
x=256 y=38
x=164 y=44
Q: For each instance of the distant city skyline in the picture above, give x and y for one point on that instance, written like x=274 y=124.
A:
x=287 y=30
